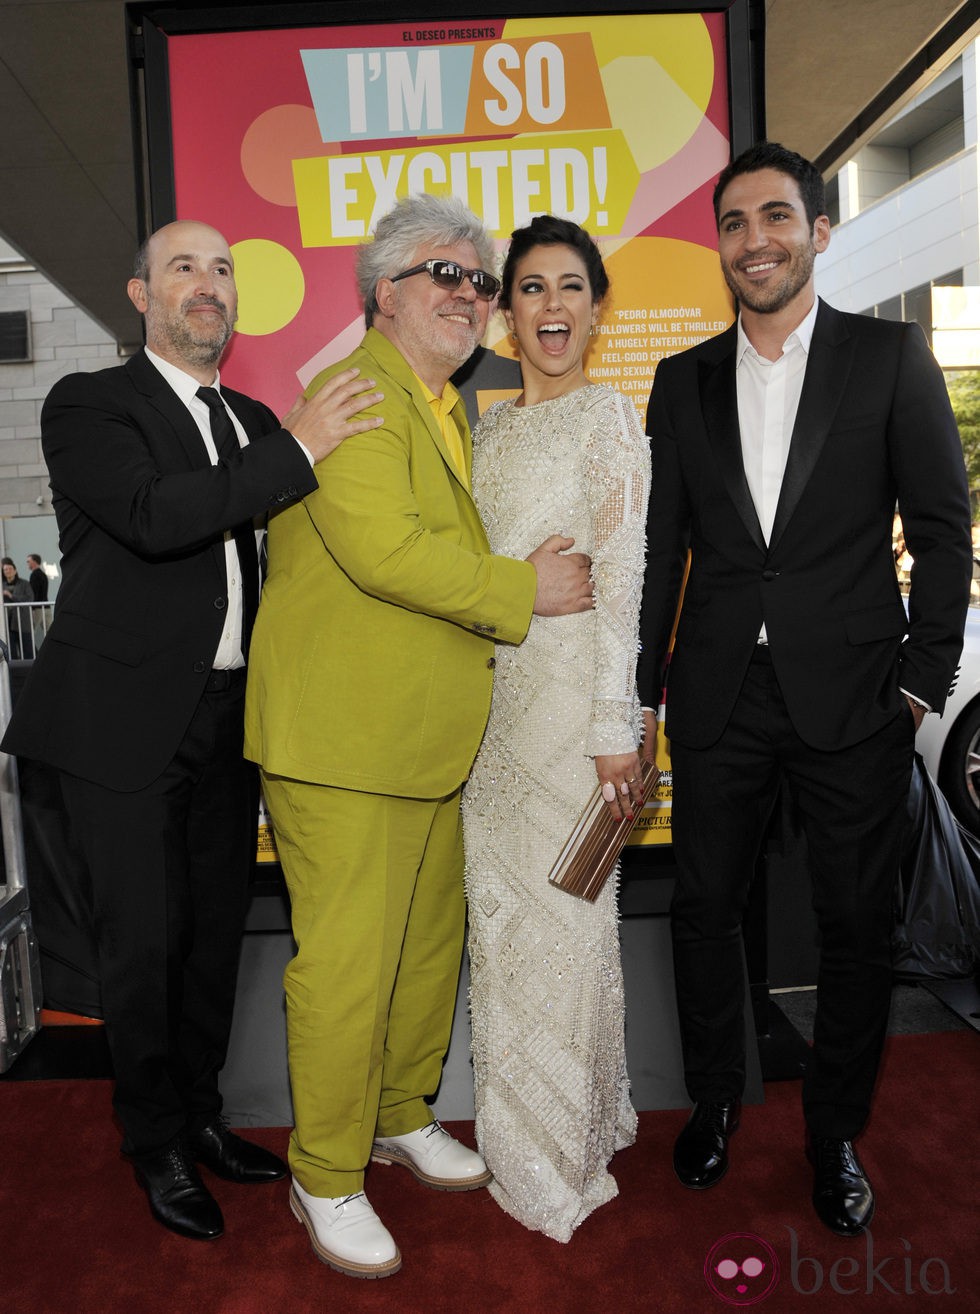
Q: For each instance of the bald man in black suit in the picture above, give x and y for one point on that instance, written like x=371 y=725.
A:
x=158 y=473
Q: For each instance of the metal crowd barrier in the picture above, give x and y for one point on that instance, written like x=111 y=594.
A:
x=25 y=625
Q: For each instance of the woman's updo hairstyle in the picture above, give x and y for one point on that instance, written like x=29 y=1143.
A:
x=549 y=230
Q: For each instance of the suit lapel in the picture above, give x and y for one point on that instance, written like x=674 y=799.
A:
x=827 y=369
x=719 y=408
x=428 y=418
x=154 y=387
x=158 y=393
x=394 y=364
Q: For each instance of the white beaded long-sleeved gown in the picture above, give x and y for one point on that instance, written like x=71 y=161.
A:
x=552 y=1093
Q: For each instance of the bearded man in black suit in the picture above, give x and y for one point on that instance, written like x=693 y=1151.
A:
x=780 y=450
x=158 y=475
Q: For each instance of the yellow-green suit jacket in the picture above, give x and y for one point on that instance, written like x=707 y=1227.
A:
x=371 y=663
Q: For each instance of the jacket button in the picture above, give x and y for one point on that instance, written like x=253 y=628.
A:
x=221 y=603
x=199 y=667
x=491 y=663
x=768 y=575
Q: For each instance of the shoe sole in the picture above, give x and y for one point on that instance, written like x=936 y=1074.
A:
x=186 y=1232
x=325 y=1256
x=237 y=1177
x=852 y=1232
x=189 y=1233
x=388 y=1157
x=701 y=1186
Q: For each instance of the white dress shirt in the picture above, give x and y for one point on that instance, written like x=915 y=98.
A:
x=768 y=394
x=768 y=399
x=229 y=655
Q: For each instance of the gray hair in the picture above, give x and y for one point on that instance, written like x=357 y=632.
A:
x=416 y=222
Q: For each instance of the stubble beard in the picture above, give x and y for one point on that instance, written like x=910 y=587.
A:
x=770 y=300
x=447 y=343
x=200 y=349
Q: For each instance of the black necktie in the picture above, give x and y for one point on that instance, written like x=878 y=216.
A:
x=222 y=429
x=227 y=445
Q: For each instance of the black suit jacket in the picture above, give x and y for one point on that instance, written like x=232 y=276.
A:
x=874 y=426
x=39 y=584
x=141 y=515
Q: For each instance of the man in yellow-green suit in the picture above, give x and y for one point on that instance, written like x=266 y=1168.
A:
x=369 y=686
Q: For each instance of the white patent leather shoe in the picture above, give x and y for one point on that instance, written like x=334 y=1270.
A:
x=346 y=1233
x=435 y=1158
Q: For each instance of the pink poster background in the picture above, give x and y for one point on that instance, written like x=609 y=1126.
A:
x=242 y=112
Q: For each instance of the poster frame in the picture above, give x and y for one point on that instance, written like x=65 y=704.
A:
x=151 y=24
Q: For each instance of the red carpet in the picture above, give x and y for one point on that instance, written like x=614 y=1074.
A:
x=76 y=1236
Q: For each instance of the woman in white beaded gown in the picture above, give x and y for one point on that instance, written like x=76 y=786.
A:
x=569 y=457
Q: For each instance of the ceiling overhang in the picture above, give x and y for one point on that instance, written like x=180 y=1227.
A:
x=834 y=70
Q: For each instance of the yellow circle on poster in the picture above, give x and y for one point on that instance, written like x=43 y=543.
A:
x=270 y=283
x=657 y=70
x=667 y=295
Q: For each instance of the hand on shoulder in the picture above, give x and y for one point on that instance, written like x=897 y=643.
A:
x=323 y=421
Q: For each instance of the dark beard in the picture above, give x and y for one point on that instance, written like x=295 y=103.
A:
x=770 y=301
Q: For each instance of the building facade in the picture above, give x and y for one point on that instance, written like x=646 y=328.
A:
x=906 y=237
x=43 y=335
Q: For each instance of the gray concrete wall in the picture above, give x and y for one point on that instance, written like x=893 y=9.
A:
x=64 y=340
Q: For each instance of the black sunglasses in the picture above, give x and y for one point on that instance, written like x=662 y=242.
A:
x=447 y=274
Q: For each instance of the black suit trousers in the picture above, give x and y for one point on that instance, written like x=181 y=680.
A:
x=169 y=867
x=852 y=805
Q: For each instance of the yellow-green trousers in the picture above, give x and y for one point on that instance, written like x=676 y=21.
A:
x=376 y=887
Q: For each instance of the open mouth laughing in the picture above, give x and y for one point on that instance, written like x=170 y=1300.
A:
x=554 y=337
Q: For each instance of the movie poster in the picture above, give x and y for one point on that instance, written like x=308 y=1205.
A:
x=293 y=142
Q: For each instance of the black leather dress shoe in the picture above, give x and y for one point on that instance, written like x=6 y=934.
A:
x=701 y=1150
x=178 y=1198
x=231 y=1157
x=842 y=1194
